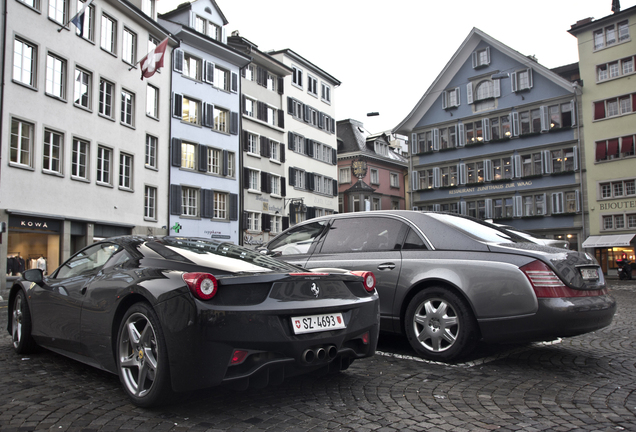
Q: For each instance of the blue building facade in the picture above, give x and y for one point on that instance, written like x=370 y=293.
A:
x=496 y=137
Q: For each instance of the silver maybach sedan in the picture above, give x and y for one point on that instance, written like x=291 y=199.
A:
x=447 y=281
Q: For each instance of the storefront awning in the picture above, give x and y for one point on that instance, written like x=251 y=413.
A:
x=616 y=240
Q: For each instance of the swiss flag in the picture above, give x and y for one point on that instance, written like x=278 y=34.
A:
x=153 y=60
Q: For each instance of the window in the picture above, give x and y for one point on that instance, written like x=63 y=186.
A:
x=448 y=176
x=58 y=10
x=395 y=180
x=521 y=80
x=109 y=34
x=611 y=34
x=345 y=175
x=275 y=185
x=451 y=98
x=618 y=189
x=484 y=90
x=249 y=107
x=253 y=177
x=24 y=62
x=271 y=82
x=106 y=93
x=534 y=205
x=127 y=108
x=87 y=262
x=125 y=170
x=83 y=85
x=502 y=168
x=21 y=143
x=214 y=31
x=104 y=157
x=274 y=151
x=87 y=26
x=375 y=235
x=312 y=85
x=150 y=203
x=148 y=7
x=55 y=76
x=189 y=201
x=199 y=24
x=615 y=148
x=192 y=67
x=222 y=79
x=220 y=205
x=152 y=101
x=276 y=222
x=151 y=151
x=249 y=72
x=188 y=155
x=563 y=160
x=481 y=58
x=297 y=76
x=221 y=120
x=381 y=148
x=271 y=115
x=79 y=159
x=52 y=151
x=190 y=110
x=129 y=47
x=325 y=93
x=230 y=164
x=252 y=143
x=253 y=221
x=34 y=4
x=214 y=161
x=375 y=176
x=613 y=107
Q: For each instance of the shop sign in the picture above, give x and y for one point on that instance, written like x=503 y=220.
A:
x=617 y=205
x=36 y=224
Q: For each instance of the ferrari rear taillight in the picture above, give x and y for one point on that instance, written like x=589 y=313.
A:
x=238 y=357
x=202 y=285
x=369 y=279
x=546 y=284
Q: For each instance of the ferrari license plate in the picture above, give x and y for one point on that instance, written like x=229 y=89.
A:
x=317 y=323
x=589 y=273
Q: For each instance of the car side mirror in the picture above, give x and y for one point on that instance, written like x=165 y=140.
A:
x=34 y=275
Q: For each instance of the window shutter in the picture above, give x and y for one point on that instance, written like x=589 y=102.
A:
x=226 y=161
x=281 y=118
x=517 y=210
x=309 y=181
x=208 y=115
x=444 y=99
x=413 y=143
x=246 y=140
x=282 y=153
x=462 y=207
x=497 y=87
x=207 y=203
x=307 y=113
x=545 y=119
x=285 y=220
x=176 y=152
x=575 y=155
x=461 y=138
x=469 y=93
x=246 y=178
x=264 y=146
x=462 y=173
x=435 y=139
x=178 y=62
x=488 y=55
x=265 y=222
x=577 y=198
x=292 y=212
x=436 y=207
x=234 y=120
x=177 y=105
x=175 y=199
x=517 y=173
x=557 y=205
x=290 y=105
x=233 y=207
x=515 y=123
x=234 y=87
x=487 y=130
x=334 y=157
x=414 y=181
x=513 y=82
x=437 y=177
x=264 y=182
x=474 y=56
x=488 y=170
x=292 y=176
x=530 y=78
x=573 y=111
x=335 y=187
x=209 y=72
x=281 y=85
x=283 y=187
x=290 y=140
x=202 y=157
x=458 y=96
x=547 y=162
x=488 y=209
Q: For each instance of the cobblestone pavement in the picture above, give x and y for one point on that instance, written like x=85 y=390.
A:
x=583 y=383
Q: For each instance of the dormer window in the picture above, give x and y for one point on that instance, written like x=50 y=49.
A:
x=481 y=58
x=451 y=98
x=521 y=80
x=381 y=148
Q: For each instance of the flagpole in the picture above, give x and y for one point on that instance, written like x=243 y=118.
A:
x=79 y=12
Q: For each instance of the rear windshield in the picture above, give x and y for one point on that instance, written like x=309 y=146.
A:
x=480 y=230
x=217 y=255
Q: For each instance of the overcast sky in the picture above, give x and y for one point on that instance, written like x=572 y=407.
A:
x=387 y=53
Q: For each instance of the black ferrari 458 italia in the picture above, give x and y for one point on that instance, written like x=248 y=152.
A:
x=170 y=314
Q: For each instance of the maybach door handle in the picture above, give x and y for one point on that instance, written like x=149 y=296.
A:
x=386 y=266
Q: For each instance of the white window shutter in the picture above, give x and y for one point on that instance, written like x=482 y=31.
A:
x=488 y=55
x=517 y=166
x=437 y=177
x=223 y=35
x=513 y=81
x=178 y=61
x=458 y=95
x=545 y=204
x=487 y=170
x=487 y=131
x=475 y=59
x=462 y=173
x=413 y=143
x=556 y=203
x=444 y=99
x=547 y=162
x=515 y=123
x=469 y=93
x=461 y=139
x=518 y=206
x=573 y=111
x=414 y=180
x=235 y=79
x=575 y=155
x=577 y=198
x=529 y=78
x=488 y=208
x=436 y=207
x=497 y=87
x=545 y=119
x=208 y=70
x=462 y=207
x=435 y=139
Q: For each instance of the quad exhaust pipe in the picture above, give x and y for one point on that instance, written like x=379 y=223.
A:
x=319 y=354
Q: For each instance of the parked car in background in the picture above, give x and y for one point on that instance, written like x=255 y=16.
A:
x=447 y=281
x=176 y=314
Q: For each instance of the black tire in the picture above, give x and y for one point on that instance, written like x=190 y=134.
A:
x=440 y=326
x=23 y=342
x=142 y=359
x=622 y=275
